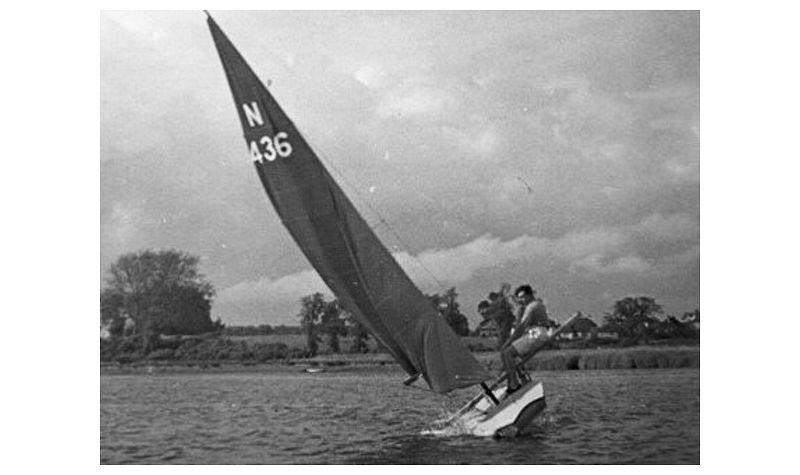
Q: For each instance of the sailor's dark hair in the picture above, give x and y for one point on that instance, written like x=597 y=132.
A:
x=524 y=288
x=493 y=295
x=483 y=304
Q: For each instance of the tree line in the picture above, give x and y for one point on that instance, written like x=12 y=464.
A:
x=326 y=322
x=153 y=293
x=641 y=319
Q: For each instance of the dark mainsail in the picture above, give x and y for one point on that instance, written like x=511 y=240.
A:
x=338 y=242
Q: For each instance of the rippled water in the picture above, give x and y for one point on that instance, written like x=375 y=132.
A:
x=366 y=416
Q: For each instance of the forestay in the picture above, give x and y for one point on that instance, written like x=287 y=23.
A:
x=338 y=242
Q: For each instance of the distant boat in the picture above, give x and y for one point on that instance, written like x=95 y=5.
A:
x=315 y=369
x=356 y=266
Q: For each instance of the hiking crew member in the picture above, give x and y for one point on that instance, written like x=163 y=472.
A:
x=531 y=327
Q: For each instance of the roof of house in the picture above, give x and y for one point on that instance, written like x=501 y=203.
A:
x=582 y=325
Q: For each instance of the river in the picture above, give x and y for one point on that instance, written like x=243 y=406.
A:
x=365 y=416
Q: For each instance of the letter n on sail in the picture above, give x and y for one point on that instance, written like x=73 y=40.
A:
x=253 y=114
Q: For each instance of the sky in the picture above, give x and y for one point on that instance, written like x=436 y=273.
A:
x=559 y=149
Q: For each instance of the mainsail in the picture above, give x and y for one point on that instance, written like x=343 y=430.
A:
x=338 y=242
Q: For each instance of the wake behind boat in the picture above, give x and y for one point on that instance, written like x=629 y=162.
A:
x=356 y=266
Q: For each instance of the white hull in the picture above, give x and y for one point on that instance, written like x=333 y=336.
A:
x=508 y=418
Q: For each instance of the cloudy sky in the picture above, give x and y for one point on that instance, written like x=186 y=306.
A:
x=560 y=149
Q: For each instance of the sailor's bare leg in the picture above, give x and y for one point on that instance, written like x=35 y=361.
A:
x=509 y=357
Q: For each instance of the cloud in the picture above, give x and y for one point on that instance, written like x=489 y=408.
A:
x=370 y=76
x=121 y=226
x=414 y=101
x=600 y=251
x=290 y=287
x=143 y=81
x=676 y=264
x=679 y=226
x=479 y=141
x=144 y=25
x=578 y=245
x=460 y=263
x=595 y=264
x=683 y=169
x=594 y=250
x=587 y=118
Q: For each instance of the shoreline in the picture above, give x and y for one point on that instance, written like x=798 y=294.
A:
x=638 y=357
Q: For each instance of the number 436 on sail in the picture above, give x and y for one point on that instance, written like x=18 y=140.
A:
x=270 y=148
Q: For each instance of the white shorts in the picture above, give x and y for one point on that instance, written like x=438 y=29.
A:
x=533 y=337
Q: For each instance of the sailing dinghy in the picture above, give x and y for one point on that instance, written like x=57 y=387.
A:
x=354 y=264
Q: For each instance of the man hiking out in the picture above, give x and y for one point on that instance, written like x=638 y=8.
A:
x=532 y=326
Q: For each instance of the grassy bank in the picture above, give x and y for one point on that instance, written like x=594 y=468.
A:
x=638 y=357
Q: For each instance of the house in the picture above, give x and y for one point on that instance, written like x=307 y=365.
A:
x=582 y=329
x=606 y=335
x=692 y=319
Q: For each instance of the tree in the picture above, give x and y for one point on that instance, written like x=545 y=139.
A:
x=670 y=328
x=504 y=293
x=184 y=311
x=332 y=324
x=634 y=317
x=502 y=303
x=358 y=332
x=112 y=315
x=162 y=291
x=448 y=307
x=312 y=307
x=319 y=318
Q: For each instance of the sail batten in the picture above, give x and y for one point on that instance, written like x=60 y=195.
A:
x=338 y=242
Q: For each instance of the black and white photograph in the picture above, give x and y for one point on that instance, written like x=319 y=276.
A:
x=399 y=237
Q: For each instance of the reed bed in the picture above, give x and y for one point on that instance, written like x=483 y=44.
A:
x=274 y=350
x=617 y=358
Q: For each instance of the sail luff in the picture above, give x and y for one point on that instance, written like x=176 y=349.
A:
x=336 y=239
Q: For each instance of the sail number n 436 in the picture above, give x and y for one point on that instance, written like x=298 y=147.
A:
x=270 y=148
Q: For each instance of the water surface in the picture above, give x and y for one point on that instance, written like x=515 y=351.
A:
x=359 y=416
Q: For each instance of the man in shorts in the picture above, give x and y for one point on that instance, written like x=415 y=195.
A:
x=531 y=329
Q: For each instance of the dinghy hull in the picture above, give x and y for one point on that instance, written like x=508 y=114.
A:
x=511 y=416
